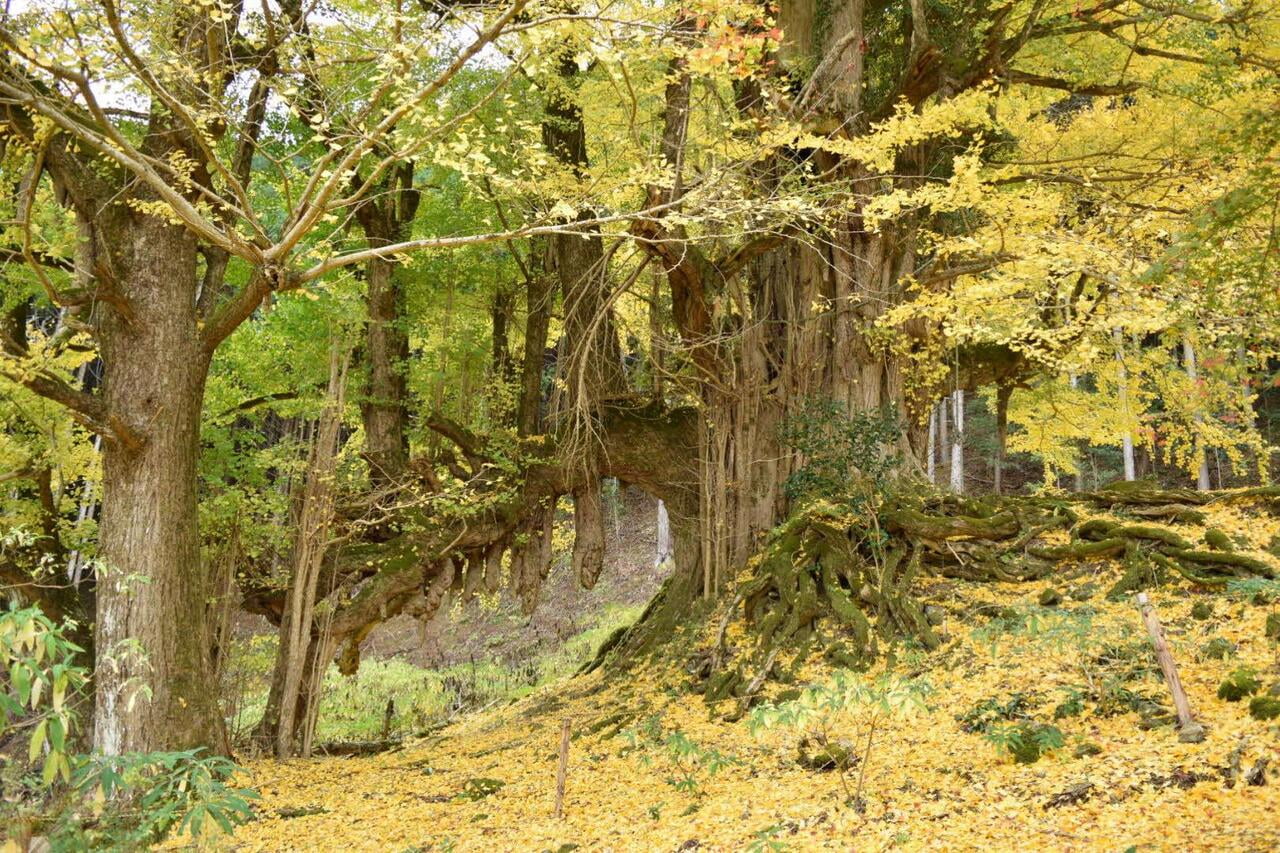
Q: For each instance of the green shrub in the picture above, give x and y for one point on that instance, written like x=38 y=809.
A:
x=850 y=704
x=41 y=675
x=140 y=797
x=846 y=456
x=150 y=795
x=1026 y=741
x=479 y=788
x=688 y=763
x=1239 y=684
x=989 y=713
x=1072 y=706
x=1219 y=648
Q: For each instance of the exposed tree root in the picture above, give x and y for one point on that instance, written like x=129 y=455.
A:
x=836 y=582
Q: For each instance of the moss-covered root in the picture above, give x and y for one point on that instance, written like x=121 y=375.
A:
x=835 y=581
x=819 y=572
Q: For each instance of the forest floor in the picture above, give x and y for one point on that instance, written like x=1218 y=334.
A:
x=651 y=767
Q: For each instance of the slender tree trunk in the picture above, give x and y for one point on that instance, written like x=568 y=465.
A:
x=957 y=442
x=931 y=449
x=1251 y=416
x=1197 y=417
x=539 y=299
x=311 y=543
x=1003 y=392
x=1074 y=382
x=656 y=354
x=1122 y=383
x=944 y=439
x=153 y=682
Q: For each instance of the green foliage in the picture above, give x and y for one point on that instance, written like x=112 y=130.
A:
x=1072 y=706
x=846 y=693
x=844 y=456
x=689 y=763
x=1056 y=630
x=1026 y=740
x=133 y=799
x=690 y=760
x=1219 y=648
x=988 y=714
x=41 y=676
x=767 y=841
x=1264 y=707
x=149 y=795
x=850 y=703
x=1240 y=683
x=1255 y=590
x=479 y=788
x=354 y=707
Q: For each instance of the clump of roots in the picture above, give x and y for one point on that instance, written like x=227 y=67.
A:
x=839 y=582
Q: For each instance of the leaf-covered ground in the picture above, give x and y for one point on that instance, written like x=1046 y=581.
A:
x=639 y=773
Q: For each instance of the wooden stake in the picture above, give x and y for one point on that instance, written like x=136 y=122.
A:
x=563 y=769
x=1189 y=729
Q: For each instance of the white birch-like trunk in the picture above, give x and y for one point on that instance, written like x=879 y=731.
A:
x=1122 y=382
x=957 y=442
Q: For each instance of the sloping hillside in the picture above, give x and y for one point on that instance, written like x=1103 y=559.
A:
x=1041 y=722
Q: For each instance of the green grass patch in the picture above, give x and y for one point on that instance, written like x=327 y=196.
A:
x=354 y=707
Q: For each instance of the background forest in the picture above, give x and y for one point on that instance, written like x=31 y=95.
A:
x=712 y=350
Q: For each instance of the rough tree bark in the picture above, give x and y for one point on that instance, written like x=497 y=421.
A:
x=150 y=586
x=385 y=219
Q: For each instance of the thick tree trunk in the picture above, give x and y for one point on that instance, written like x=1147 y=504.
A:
x=385 y=219
x=154 y=688
x=538 y=304
x=386 y=352
x=590 y=365
x=806 y=320
x=501 y=313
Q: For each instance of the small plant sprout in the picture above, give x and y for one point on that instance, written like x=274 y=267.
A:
x=838 y=722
